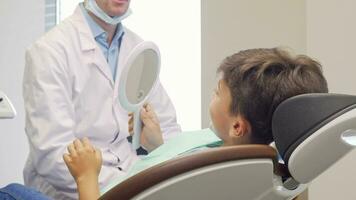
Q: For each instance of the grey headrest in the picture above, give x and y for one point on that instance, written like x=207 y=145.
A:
x=313 y=123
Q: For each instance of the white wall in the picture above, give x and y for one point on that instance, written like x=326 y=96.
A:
x=21 y=22
x=331 y=38
x=229 y=26
x=324 y=29
x=178 y=37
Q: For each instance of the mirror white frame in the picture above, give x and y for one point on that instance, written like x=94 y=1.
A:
x=123 y=98
x=7 y=110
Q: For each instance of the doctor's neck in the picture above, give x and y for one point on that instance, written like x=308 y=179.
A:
x=108 y=28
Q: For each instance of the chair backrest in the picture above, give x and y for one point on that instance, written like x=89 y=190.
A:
x=313 y=131
x=236 y=172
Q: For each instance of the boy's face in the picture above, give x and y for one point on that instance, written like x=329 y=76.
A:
x=220 y=110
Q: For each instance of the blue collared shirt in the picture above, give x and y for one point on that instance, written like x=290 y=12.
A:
x=111 y=52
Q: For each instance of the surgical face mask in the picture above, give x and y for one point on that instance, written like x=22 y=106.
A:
x=93 y=7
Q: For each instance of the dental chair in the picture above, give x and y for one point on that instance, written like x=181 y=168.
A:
x=311 y=132
x=7 y=110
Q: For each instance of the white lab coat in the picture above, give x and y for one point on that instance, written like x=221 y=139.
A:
x=69 y=93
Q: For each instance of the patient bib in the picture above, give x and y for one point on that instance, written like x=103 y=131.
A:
x=183 y=143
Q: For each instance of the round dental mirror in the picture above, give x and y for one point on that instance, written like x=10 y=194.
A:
x=138 y=78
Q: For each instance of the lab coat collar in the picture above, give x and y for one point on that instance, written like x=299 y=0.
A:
x=87 y=41
x=89 y=45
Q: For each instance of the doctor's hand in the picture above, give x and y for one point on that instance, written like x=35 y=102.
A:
x=151 y=135
x=83 y=161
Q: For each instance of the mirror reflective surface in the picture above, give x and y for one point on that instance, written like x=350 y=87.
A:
x=138 y=77
x=142 y=76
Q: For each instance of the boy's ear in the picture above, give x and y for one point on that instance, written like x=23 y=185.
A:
x=240 y=127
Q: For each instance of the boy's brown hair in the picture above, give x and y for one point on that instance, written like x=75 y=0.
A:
x=260 y=79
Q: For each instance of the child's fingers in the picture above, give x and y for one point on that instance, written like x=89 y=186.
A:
x=67 y=159
x=78 y=144
x=86 y=143
x=150 y=111
x=148 y=114
x=147 y=120
x=144 y=115
x=98 y=154
x=72 y=150
x=148 y=107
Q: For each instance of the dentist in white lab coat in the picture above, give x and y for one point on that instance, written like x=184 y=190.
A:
x=70 y=91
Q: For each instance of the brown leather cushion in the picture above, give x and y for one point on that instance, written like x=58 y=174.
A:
x=156 y=174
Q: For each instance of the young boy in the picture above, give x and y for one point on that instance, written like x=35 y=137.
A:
x=254 y=82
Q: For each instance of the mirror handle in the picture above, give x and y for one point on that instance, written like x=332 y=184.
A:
x=137 y=129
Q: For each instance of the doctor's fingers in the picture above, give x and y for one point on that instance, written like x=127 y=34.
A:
x=131 y=125
x=131 y=130
x=131 y=117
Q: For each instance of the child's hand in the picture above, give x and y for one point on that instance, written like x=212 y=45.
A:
x=151 y=135
x=83 y=161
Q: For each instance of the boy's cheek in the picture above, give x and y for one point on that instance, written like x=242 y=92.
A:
x=211 y=107
x=213 y=117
